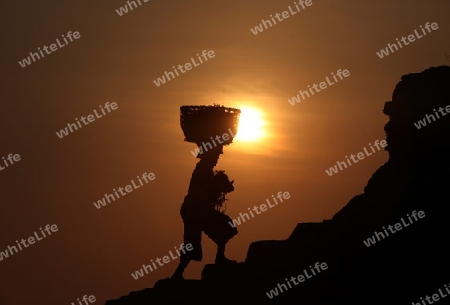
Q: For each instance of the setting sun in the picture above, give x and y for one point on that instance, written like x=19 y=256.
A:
x=251 y=125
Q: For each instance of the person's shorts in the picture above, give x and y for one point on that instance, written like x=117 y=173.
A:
x=216 y=226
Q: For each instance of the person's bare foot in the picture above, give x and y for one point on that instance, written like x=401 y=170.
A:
x=177 y=277
x=224 y=260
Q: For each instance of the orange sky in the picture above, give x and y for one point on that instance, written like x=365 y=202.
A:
x=116 y=60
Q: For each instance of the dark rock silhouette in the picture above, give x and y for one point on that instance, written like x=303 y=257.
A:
x=400 y=269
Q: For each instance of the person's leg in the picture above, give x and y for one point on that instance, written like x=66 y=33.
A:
x=193 y=236
x=220 y=254
x=184 y=262
x=219 y=230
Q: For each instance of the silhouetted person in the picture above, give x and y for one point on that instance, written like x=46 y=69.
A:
x=199 y=212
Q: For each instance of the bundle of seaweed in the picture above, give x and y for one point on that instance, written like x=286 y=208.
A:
x=220 y=187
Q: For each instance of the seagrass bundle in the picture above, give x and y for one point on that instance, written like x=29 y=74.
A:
x=200 y=123
x=220 y=187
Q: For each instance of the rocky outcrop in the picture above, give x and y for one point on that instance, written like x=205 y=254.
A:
x=401 y=268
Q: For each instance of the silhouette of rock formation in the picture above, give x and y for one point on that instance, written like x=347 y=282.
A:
x=399 y=269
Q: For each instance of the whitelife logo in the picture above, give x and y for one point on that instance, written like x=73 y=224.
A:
x=423 y=123
x=394 y=229
x=411 y=38
x=323 y=85
x=360 y=155
x=300 y=278
x=10 y=158
x=85 y=299
x=237 y=221
x=205 y=148
x=285 y=15
x=90 y=119
x=124 y=9
x=166 y=259
x=162 y=80
x=102 y=202
x=53 y=48
x=31 y=240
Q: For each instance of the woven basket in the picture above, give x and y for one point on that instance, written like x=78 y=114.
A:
x=200 y=123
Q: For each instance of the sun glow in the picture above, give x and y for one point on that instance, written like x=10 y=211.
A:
x=251 y=125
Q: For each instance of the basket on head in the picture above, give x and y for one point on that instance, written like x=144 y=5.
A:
x=200 y=123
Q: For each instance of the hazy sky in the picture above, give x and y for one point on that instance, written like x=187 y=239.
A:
x=117 y=58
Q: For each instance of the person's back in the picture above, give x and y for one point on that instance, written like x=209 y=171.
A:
x=199 y=187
